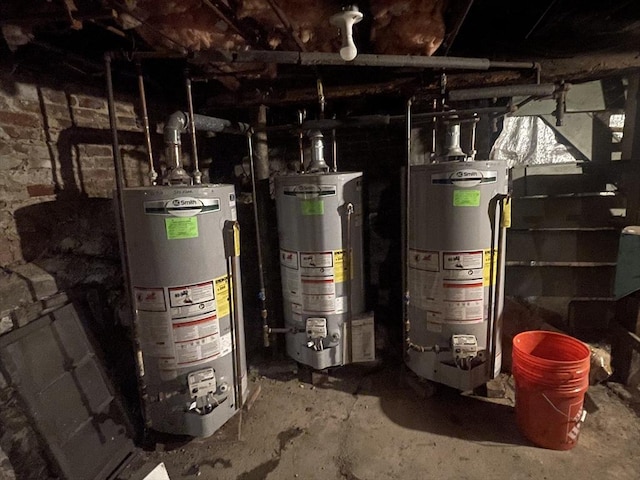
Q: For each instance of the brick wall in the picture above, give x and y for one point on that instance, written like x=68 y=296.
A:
x=58 y=235
x=55 y=146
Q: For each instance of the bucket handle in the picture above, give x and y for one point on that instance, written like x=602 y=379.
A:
x=544 y=395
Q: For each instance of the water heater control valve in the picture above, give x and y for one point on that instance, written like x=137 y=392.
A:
x=464 y=349
x=202 y=382
x=316 y=328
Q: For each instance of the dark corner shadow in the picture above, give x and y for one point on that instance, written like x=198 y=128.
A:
x=448 y=413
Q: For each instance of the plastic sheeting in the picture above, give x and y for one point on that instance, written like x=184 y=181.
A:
x=529 y=141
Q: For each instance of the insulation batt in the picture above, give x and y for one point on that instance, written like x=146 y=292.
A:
x=185 y=23
x=414 y=27
x=397 y=26
x=310 y=21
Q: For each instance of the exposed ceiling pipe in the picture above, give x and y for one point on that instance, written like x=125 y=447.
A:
x=362 y=60
x=535 y=90
x=380 y=120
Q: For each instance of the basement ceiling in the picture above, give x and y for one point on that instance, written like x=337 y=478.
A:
x=574 y=40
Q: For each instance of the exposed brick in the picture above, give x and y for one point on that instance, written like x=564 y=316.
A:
x=7 y=257
x=54 y=96
x=128 y=123
x=31 y=150
x=41 y=282
x=92 y=103
x=99 y=173
x=97 y=150
x=31 y=177
x=39 y=162
x=22 y=132
x=90 y=118
x=40 y=190
x=6 y=325
x=8 y=161
x=57 y=111
x=14 y=290
x=19 y=119
x=59 y=123
x=26 y=91
x=29 y=106
x=91 y=163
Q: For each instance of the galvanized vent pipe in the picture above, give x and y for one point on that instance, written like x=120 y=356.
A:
x=177 y=124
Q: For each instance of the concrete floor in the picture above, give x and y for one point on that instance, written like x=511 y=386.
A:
x=367 y=423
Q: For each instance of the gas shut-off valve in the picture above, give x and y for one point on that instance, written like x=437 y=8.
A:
x=464 y=349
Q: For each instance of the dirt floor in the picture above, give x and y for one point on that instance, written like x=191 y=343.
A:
x=367 y=422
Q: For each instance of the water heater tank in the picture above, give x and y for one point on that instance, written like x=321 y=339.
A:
x=454 y=247
x=321 y=264
x=182 y=248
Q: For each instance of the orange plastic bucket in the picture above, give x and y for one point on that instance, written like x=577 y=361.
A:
x=551 y=371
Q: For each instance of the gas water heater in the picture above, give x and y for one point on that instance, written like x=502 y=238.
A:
x=182 y=245
x=181 y=240
x=321 y=263
x=457 y=210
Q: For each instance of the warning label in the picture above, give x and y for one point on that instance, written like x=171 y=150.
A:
x=316 y=259
x=309 y=280
x=462 y=260
x=222 y=296
x=289 y=259
x=150 y=299
x=452 y=294
x=489 y=271
x=342 y=265
x=191 y=294
x=424 y=260
x=196 y=341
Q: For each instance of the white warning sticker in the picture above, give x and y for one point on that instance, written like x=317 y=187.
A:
x=195 y=329
x=197 y=351
x=468 y=312
x=191 y=294
x=289 y=259
x=291 y=285
x=150 y=299
x=226 y=345
x=424 y=260
x=319 y=303
x=462 y=260
x=154 y=331
x=318 y=286
x=316 y=259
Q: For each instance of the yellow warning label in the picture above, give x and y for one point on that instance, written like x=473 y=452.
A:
x=236 y=238
x=340 y=267
x=486 y=271
x=222 y=296
x=505 y=221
